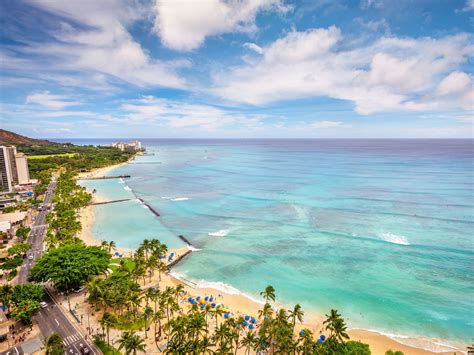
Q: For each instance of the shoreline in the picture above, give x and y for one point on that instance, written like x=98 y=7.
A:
x=240 y=303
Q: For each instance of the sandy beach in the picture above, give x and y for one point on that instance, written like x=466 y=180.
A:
x=238 y=303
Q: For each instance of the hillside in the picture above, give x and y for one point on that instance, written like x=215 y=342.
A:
x=7 y=137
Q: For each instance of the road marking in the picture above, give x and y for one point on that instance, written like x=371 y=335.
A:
x=56 y=321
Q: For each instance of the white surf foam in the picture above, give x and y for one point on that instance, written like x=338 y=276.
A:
x=433 y=345
x=190 y=247
x=219 y=233
x=394 y=238
x=175 y=198
x=120 y=181
x=127 y=188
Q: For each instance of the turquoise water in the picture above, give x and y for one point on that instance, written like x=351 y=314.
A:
x=380 y=230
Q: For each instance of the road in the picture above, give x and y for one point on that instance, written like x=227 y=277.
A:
x=38 y=231
x=51 y=319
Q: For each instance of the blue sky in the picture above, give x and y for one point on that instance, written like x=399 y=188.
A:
x=237 y=68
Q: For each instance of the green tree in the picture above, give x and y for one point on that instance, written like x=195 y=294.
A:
x=268 y=294
x=54 y=345
x=391 y=352
x=70 y=266
x=131 y=342
x=296 y=313
x=19 y=249
x=25 y=301
x=22 y=232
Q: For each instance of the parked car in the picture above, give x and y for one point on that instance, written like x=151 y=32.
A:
x=43 y=304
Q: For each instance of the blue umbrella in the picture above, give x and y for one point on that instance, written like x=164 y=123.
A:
x=211 y=299
x=251 y=326
x=226 y=315
x=302 y=333
x=190 y=299
x=198 y=298
x=319 y=341
x=206 y=298
x=203 y=305
x=245 y=323
x=213 y=304
x=247 y=317
x=322 y=337
x=253 y=320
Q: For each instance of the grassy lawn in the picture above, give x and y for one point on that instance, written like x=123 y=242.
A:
x=126 y=322
x=67 y=155
x=105 y=348
x=128 y=263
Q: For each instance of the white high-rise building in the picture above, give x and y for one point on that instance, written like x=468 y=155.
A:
x=13 y=168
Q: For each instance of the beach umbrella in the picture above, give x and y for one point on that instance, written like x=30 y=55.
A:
x=206 y=298
x=213 y=304
x=211 y=299
x=253 y=320
x=322 y=337
x=203 y=305
x=247 y=317
x=302 y=333
x=251 y=326
x=198 y=298
x=319 y=341
x=245 y=323
x=190 y=299
x=226 y=315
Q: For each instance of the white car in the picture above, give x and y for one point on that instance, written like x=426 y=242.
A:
x=30 y=257
x=43 y=304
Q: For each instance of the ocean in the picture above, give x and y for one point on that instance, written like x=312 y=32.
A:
x=381 y=230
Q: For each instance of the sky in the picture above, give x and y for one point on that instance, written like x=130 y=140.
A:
x=237 y=68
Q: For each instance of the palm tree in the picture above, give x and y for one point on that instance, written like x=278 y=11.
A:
x=296 y=313
x=147 y=314
x=111 y=246
x=104 y=244
x=331 y=319
x=131 y=343
x=339 y=329
x=177 y=291
x=218 y=311
x=54 y=345
x=157 y=317
x=268 y=294
x=146 y=247
x=249 y=341
x=107 y=321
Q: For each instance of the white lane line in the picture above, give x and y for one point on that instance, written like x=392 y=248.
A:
x=56 y=321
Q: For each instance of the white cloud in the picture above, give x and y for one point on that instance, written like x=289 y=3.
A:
x=390 y=74
x=176 y=114
x=455 y=83
x=469 y=5
x=184 y=25
x=328 y=124
x=46 y=99
x=253 y=47
x=100 y=46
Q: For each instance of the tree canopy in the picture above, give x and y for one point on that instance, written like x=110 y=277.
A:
x=70 y=266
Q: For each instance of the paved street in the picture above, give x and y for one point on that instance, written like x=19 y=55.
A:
x=38 y=231
x=52 y=318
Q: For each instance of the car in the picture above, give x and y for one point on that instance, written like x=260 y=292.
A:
x=43 y=304
x=30 y=257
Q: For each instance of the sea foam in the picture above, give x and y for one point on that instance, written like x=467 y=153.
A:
x=219 y=233
x=394 y=238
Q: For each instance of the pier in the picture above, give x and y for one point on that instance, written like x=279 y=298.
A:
x=107 y=202
x=155 y=212
x=183 y=238
x=178 y=259
x=106 y=177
